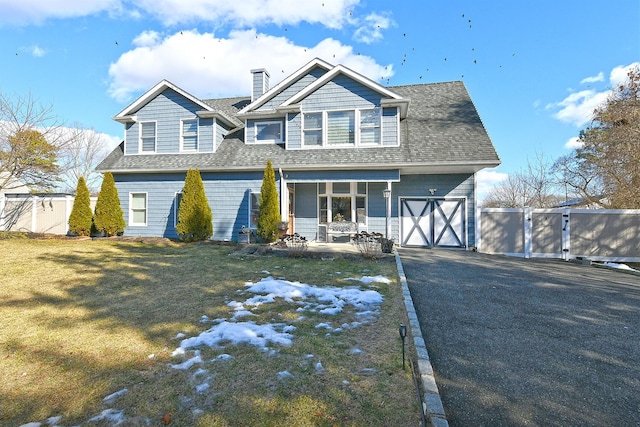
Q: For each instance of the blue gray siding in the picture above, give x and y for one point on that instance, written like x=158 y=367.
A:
x=167 y=109
x=294 y=130
x=341 y=93
x=228 y=196
x=390 y=132
x=290 y=91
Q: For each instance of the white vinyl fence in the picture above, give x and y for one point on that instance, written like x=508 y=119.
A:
x=36 y=213
x=595 y=234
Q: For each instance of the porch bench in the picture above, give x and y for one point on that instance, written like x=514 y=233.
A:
x=337 y=228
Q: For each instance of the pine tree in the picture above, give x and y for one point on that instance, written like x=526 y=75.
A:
x=195 y=219
x=269 y=213
x=108 y=217
x=81 y=216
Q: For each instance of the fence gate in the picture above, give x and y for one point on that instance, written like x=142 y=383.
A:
x=428 y=222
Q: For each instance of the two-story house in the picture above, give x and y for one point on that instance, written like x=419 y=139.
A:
x=397 y=160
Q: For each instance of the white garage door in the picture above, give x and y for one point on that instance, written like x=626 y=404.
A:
x=427 y=222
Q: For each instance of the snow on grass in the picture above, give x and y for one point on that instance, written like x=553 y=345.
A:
x=619 y=266
x=328 y=300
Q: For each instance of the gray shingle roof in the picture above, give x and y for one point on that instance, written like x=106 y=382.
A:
x=442 y=130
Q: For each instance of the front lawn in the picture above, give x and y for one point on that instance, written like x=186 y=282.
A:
x=96 y=332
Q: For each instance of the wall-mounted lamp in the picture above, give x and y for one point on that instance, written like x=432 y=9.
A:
x=433 y=191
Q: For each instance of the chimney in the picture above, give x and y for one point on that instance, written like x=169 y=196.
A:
x=260 y=83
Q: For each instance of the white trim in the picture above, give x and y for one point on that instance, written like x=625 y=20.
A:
x=146 y=209
x=155 y=136
x=176 y=208
x=125 y=115
x=267 y=141
x=341 y=69
x=357 y=117
x=191 y=119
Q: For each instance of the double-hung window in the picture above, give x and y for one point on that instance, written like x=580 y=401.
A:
x=370 y=127
x=341 y=128
x=190 y=135
x=148 y=137
x=312 y=129
x=137 y=208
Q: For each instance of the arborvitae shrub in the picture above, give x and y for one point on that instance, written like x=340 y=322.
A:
x=108 y=217
x=195 y=219
x=81 y=217
x=269 y=213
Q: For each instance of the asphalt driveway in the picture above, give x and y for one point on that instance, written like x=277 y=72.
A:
x=517 y=342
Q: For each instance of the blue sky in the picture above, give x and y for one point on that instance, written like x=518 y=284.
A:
x=535 y=69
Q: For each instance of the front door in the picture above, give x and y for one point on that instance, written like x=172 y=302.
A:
x=428 y=222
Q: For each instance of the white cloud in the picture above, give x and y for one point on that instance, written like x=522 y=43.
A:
x=371 y=28
x=577 y=108
x=486 y=179
x=25 y=12
x=593 y=79
x=192 y=60
x=250 y=13
x=37 y=51
x=620 y=73
x=573 y=143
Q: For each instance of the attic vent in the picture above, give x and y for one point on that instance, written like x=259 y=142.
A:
x=260 y=83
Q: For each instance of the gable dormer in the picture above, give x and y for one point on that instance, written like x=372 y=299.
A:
x=167 y=119
x=325 y=106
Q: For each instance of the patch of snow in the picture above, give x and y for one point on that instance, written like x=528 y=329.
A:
x=370 y=279
x=113 y=396
x=187 y=364
x=239 y=333
x=619 y=266
x=179 y=336
x=113 y=416
x=202 y=387
x=52 y=421
x=283 y=375
x=34 y=424
x=319 y=368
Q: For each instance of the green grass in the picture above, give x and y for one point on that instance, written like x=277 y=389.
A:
x=81 y=318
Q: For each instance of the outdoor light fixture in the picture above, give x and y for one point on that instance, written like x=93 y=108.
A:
x=387 y=194
x=403 y=334
x=433 y=191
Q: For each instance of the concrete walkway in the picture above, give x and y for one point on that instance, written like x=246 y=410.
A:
x=517 y=342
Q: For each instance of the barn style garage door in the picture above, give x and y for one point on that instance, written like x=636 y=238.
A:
x=433 y=223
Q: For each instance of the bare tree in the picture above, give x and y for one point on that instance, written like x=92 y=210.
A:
x=79 y=156
x=30 y=140
x=534 y=187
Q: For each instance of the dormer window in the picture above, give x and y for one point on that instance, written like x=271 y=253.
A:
x=148 y=137
x=349 y=128
x=268 y=132
x=190 y=135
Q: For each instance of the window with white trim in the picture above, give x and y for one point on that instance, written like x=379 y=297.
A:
x=346 y=128
x=138 y=209
x=176 y=208
x=147 y=137
x=342 y=201
x=268 y=132
x=189 y=130
x=312 y=130
x=254 y=209
x=370 y=121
